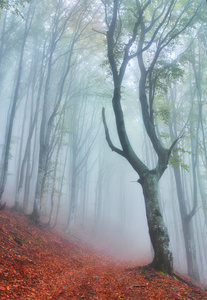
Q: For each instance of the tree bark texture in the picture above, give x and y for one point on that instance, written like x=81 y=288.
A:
x=163 y=260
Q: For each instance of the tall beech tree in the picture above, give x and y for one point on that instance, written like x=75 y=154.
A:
x=142 y=30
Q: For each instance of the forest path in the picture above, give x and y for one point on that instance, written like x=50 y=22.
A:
x=37 y=263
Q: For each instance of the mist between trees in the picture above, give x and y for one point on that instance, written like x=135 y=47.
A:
x=145 y=62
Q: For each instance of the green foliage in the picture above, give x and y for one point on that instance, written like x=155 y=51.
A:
x=165 y=135
x=165 y=73
x=176 y=158
x=164 y=114
x=13 y=6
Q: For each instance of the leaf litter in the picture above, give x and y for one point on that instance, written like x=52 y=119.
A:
x=38 y=263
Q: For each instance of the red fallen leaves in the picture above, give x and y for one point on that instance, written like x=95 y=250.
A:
x=39 y=264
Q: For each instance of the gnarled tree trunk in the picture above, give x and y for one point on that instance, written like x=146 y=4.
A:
x=163 y=260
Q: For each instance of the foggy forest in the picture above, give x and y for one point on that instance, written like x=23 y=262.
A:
x=104 y=125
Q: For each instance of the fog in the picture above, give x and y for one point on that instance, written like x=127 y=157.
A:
x=54 y=81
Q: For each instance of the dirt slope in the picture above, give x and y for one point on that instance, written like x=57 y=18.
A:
x=36 y=263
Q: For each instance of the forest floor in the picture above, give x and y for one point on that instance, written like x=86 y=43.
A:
x=38 y=263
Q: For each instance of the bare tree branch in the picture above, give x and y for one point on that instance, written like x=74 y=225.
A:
x=174 y=143
x=99 y=31
x=113 y=148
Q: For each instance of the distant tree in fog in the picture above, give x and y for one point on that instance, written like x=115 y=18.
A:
x=64 y=15
x=10 y=122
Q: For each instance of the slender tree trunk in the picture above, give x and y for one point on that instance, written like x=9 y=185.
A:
x=186 y=226
x=47 y=122
x=8 y=136
x=27 y=183
x=84 y=196
x=61 y=185
x=2 y=38
x=33 y=118
x=30 y=169
x=202 y=192
x=98 y=199
x=36 y=210
x=4 y=169
x=54 y=179
x=185 y=213
x=17 y=205
x=73 y=194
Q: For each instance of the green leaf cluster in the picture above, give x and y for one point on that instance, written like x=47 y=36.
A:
x=165 y=73
x=164 y=114
x=13 y=6
x=176 y=159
